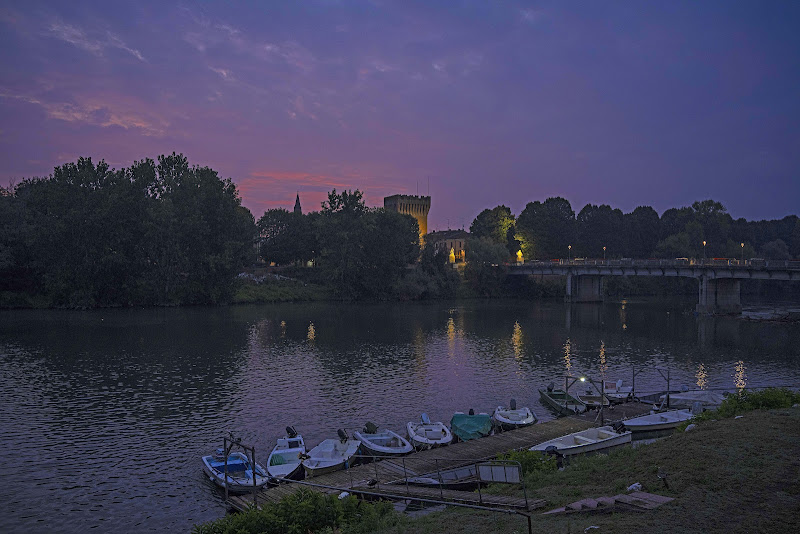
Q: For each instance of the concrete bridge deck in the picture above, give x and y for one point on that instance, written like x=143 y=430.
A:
x=719 y=279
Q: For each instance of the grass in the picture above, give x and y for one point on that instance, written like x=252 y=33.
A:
x=279 y=291
x=729 y=475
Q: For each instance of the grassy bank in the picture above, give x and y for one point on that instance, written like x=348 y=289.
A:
x=728 y=474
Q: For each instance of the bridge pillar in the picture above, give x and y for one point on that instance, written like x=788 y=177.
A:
x=719 y=296
x=584 y=288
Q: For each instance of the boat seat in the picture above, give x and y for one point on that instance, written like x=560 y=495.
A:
x=584 y=441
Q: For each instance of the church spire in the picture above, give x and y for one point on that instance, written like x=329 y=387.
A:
x=297 y=208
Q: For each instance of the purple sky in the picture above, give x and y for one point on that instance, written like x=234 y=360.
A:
x=622 y=103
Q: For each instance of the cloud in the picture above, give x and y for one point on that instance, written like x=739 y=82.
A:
x=78 y=38
x=225 y=74
x=102 y=111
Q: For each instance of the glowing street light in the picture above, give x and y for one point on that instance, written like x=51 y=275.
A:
x=704 y=251
x=604 y=254
x=569 y=247
x=742 y=244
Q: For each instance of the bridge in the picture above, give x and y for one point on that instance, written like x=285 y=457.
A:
x=719 y=279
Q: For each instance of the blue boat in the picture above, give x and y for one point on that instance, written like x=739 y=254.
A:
x=239 y=472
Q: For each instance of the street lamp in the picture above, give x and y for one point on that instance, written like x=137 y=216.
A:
x=604 y=254
x=742 y=244
x=704 y=251
x=569 y=247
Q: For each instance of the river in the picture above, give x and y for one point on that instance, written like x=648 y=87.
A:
x=106 y=413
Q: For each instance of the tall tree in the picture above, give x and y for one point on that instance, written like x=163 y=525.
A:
x=493 y=223
x=546 y=229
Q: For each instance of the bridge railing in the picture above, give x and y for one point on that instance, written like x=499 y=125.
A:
x=757 y=263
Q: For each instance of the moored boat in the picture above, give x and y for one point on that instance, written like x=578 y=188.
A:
x=467 y=426
x=561 y=401
x=382 y=442
x=426 y=435
x=331 y=455
x=616 y=392
x=658 y=421
x=590 y=440
x=593 y=400
x=285 y=460
x=512 y=417
x=238 y=475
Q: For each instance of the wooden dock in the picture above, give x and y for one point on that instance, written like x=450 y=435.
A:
x=377 y=477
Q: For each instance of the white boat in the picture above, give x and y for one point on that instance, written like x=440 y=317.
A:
x=382 y=442
x=284 y=461
x=513 y=417
x=331 y=455
x=426 y=435
x=593 y=400
x=616 y=392
x=658 y=421
x=590 y=440
x=239 y=469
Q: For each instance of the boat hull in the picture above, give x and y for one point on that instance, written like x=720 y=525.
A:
x=586 y=441
x=428 y=435
x=510 y=419
x=329 y=456
x=562 y=402
x=658 y=421
x=386 y=443
x=240 y=475
x=284 y=461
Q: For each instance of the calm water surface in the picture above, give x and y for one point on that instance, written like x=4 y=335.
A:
x=105 y=414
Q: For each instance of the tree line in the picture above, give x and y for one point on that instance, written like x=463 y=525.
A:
x=155 y=233
x=166 y=233
x=551 y=229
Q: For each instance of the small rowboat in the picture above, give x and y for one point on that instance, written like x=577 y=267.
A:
x=284 y=461
x=658 y=421
x=383 y=442
x=512 y=417
x=331 y=455
x=561 y=401
x=592 y=400
x=616 y=392
x=591 y=440
x=426 y=435
x=239 y=472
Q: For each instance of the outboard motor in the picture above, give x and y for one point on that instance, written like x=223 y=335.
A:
x=426 y=419
x=291 y=432
x=550 y=387
x=370 y=428
x=471 y=411
x=342 y=435
x=513 y=404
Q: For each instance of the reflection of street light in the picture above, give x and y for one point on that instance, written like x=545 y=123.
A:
x=742 y=252
x=569 y=247
x=704 y=251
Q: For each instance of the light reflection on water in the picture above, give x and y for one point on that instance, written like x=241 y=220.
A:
x=106 y=413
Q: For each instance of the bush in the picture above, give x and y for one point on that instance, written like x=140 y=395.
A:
x=766 y=399
x=530 y=461
x=305 y=511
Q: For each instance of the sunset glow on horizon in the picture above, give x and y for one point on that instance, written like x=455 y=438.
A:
x=477 y=104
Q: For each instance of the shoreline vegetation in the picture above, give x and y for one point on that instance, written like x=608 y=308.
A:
x=737 y=470
x=164 y=233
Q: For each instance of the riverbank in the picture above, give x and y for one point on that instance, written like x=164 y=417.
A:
x=726 y=475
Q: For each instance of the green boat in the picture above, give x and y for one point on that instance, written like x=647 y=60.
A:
x=561 y=401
